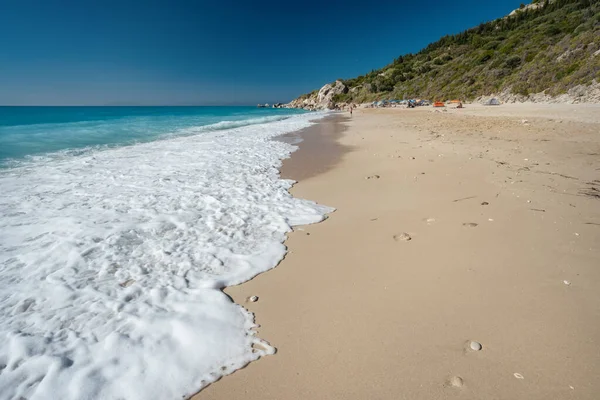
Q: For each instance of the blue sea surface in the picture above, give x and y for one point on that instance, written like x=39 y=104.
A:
x=35 y=131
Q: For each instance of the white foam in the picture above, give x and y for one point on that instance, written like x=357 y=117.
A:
x=111 y=263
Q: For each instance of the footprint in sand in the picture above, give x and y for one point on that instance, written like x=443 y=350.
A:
x=455 y=382
x=402 y=237
x=470 y=224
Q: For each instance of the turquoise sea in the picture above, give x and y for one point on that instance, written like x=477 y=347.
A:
x=31 y=131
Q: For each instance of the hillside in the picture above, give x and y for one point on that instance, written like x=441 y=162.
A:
x=546 y=46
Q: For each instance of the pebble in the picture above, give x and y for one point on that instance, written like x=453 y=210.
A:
x=470 y=224
x=567 y=283
x=475 y=346
x=518 y=375
x=253 y=299
x=456 y=381
x=402 y=237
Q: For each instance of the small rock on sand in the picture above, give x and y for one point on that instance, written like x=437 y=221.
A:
x=470 y=224
x=253 y=299
x=485 y=203
x=475 y=346
x=402 y=237
x=372 y=177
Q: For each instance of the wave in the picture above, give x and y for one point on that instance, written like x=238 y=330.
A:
x=131 y=131
x=112 y=262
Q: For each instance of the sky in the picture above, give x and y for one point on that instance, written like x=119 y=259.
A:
x=223 y=52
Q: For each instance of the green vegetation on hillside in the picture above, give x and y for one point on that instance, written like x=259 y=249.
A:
x=549 y=48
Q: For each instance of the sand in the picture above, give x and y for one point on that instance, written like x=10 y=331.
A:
x=503 y=217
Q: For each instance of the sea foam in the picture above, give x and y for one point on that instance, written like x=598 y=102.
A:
x=112 y=263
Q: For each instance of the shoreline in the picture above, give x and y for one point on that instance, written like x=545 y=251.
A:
x=318 y=150
x=319 y=144
x=499 y=219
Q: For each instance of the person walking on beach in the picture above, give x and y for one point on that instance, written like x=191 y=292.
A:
x=350 y=110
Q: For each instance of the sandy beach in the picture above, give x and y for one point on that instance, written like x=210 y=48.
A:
x=452 y=227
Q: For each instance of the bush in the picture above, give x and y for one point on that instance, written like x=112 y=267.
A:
x=513 y=62
x=485 y=56
x=493 y=45
x=552 y=30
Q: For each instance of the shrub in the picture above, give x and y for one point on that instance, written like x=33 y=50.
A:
x=513 y=62
x=485 y=56
x=493 y=45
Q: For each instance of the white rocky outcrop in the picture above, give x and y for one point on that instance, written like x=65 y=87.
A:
x=533 y=6
x=321 y=100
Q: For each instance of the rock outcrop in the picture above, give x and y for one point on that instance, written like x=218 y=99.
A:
x=575 y=95
x=321 y=100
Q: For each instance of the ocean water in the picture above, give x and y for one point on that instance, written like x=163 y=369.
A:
x=119 y=227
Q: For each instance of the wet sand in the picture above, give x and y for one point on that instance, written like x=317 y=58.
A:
x=503 y=217
x=319 y=149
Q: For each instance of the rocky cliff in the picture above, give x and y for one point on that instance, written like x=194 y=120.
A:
x=322 y=99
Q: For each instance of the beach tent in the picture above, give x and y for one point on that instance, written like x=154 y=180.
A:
x=439 y=104
x=492 y=102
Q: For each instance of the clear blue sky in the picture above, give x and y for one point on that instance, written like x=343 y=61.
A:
x=100 y=52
